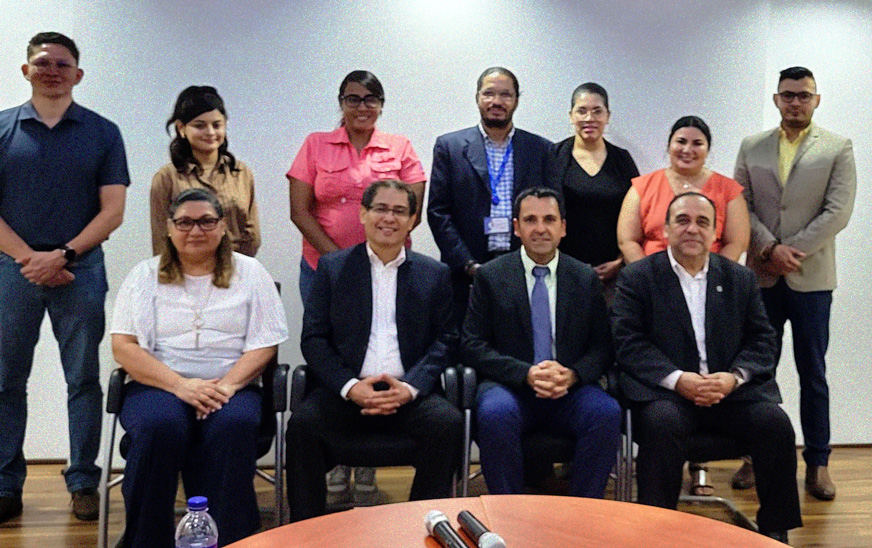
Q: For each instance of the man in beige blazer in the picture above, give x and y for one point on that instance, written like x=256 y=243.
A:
x=800 y=184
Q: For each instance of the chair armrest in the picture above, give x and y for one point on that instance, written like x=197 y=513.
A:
x=451 y=385
x=298 y=387
x=469 y=385
x=280 y=387
x=115 y=391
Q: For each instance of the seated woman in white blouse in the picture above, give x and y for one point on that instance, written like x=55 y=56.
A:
x=194 y=328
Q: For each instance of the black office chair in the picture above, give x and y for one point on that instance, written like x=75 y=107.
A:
x=274 y=405
x=380 y=449
x=539 y=447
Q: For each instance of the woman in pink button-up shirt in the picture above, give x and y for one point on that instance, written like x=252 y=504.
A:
x=332 y=169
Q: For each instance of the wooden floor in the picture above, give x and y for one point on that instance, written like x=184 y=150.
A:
x=843 y=523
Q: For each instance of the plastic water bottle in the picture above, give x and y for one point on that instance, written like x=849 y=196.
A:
x=197 y=529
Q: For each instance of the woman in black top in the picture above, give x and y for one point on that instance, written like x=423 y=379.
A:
x=594 y=176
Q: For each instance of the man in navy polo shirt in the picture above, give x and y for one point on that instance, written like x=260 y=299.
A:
x=63 y=180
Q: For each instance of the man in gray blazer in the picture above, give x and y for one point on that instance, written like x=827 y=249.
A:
x=800 y=184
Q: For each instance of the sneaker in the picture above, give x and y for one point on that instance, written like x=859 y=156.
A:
x=86 y=504
x=364 y=480
x=339 y=479
x=9 y=508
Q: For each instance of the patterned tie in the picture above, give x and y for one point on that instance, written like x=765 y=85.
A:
x=540 y=316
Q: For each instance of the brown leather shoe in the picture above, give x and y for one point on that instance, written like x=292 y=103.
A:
x=86 y=504
x=818 y=483
x=744 y=476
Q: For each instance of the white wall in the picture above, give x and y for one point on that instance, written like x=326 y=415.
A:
x=278 y=66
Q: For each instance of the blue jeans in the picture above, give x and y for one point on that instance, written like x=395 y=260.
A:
x=809 y=315
x=586 y=413
x=77 y=316
x=307 y=278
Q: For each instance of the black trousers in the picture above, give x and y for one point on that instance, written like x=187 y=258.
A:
x=663 y=426
x=325 y=418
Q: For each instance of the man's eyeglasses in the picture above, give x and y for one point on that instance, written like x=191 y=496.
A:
x=789 y=96
x=382 y=209
x=206 y=224
x=353 y=101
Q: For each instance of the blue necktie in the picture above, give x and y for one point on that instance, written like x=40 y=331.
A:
x=540 y=316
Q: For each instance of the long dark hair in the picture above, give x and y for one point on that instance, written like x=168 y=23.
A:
x=192 y=102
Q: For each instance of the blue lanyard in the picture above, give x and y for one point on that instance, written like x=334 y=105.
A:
x=496 y=177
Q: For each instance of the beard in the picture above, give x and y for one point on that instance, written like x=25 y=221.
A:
x=496 y=124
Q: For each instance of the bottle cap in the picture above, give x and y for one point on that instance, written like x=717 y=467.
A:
x=198 y=503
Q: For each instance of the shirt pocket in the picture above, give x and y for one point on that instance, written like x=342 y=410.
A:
x=332 y=179
x=385 y=165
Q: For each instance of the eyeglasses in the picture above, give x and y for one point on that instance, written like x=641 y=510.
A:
x=353 y=101
x=489 y=95
x=382 y=210
x=789 y=96
x=206 y=224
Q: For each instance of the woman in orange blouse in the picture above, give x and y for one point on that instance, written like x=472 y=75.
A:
x=200 y=159
x=643 y=213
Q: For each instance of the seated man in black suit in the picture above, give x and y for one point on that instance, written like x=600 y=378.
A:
x=377 y=334
x=697 y=353
x=537 y=334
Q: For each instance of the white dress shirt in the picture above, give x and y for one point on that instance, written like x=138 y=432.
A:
x=694 y=289
x=383 y=349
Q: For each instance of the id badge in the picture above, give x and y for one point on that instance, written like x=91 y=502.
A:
x=497 y=225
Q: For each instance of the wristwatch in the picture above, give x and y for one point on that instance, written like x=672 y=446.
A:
x=69 y=253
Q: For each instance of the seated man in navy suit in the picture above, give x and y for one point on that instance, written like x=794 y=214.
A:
x=698 y=354
x=537 y=334
x=377 y=334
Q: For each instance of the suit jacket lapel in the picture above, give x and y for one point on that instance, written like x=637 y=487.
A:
x=518 y=163
x=567 y=303
x=520 y=298
x=477 y=156
x=770 y=152
x=359 y=282
x=667 y=280
x=806 y=144
x=405 y=308
x=714 y=302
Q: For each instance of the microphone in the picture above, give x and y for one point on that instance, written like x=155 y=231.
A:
x=438 y=526
x=478 y=532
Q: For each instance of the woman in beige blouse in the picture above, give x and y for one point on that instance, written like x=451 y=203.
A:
x=200 y=159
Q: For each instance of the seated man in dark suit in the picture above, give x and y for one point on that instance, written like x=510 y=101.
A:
x=539 y=363
x=697 y=354
x=377 y=334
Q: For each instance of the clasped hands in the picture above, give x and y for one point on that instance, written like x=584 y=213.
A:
x=550 y=380
x=784 y=259
x=205 y=396
x=45 y=268
x=379 y=402
x=706 y=390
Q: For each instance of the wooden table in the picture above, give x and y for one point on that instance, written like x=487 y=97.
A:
x=524 y=521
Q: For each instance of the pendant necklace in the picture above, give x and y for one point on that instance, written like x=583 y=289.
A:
x=199 y=321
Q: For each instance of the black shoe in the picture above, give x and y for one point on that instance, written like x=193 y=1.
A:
x=780 y=536
x=86 y=504
x=9 y=508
